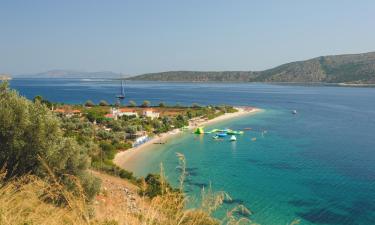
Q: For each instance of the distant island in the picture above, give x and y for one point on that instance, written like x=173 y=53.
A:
x=5 y=77
x=73 y=74
x=349 y=69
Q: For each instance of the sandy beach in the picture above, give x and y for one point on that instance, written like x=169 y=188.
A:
x=131 y=154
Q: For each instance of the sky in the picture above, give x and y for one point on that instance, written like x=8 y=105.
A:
x=140 y=36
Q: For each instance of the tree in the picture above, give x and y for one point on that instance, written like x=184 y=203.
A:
x=103 y=103
x=146 y=103
x=162 y=104
x=195 y=105
x=132 y=103
x=32 y=141
x=89 y=103
x=156 y=185
x=38 y=98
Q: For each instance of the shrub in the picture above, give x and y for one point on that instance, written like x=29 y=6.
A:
x=32 y=140
x=103 y=103
x=89 y=103
x=146 y=104
x=132 y=103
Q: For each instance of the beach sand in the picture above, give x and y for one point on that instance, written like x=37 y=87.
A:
x=131 y=154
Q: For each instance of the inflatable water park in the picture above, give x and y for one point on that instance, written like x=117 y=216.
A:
x=220 y=133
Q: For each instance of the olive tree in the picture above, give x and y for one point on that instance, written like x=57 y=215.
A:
x=103 y=103
x=32 y=142
x=146 y=103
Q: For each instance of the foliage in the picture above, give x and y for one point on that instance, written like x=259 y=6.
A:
x=154 y=186
x=89 y=103
x=195 y=105
x=103 y=103
x=96 y=113
x=43 y=101
x=146 y=103
x=29 y=133
x=132 y=103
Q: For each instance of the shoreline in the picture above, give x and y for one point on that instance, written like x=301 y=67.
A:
x=131 y=154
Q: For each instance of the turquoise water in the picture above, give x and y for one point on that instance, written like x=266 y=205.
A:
x=274 y=176
x=317 y=166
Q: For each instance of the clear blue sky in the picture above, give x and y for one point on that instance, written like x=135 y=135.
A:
x=141 y=36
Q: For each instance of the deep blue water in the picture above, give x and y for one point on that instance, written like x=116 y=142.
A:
x=317 y=166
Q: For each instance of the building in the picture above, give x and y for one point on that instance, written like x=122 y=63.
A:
x=123 y=112
x=68 y=112
x=128 y=112
x=140 y=140
x=110 y=116
x=150 y=113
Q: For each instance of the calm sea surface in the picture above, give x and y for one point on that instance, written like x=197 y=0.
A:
x=317 y=166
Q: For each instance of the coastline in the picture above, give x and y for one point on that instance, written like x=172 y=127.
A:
x=131 y=154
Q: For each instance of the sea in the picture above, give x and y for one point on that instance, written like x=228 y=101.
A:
x=316 y=166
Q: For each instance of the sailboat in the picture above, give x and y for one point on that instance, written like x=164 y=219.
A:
x=122 y=94
x=233 y=138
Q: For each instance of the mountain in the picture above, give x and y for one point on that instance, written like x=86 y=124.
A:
x=348 y=69
x=72 y=74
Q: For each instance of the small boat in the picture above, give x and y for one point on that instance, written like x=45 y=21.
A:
x=294 y=111
x=121 y=96
x=222 y=134
x=253 y=139
x=215 y=137
x=248 y=128
x=233 y=138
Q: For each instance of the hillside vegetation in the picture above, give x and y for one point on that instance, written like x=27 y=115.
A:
x=48 y=177
x=350 y=68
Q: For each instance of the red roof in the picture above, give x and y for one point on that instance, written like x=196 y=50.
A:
x=109 y=115
x=62 y=110
x=127 y=110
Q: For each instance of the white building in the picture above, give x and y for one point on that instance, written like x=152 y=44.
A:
x=140 y=140
x=150 y=113
x=123 y=112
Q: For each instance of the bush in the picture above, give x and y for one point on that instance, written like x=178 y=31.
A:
x=146 y=104
x=132 y=103
x=32 y=141
x=103 y=103
x=108 y=150
x=89 y=103
x=156 y=186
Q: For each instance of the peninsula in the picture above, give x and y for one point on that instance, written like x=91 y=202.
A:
x=349 y=69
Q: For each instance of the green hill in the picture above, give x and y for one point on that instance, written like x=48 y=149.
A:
x=350 y=69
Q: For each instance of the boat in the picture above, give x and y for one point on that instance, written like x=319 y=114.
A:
x=294 y=111
x=253 y=139
x=233 y=138
x=121 y=96
x=222 y=134
x=248 y=128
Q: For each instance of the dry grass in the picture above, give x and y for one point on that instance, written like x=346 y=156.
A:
x=30 y=200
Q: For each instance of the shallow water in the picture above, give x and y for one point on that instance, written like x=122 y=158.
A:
x=317 y=166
